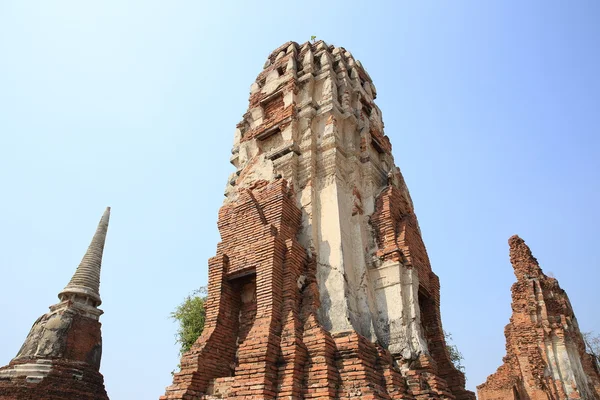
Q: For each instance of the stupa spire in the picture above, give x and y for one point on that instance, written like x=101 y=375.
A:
x=86 y=280
x=60 y=358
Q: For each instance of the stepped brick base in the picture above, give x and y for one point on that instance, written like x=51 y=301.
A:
x=51 y=380
x=262 y=338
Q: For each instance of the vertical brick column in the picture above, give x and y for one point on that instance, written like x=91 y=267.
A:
x=357 y=362
x=213 y=353
x=293 y=350
x=256 y=373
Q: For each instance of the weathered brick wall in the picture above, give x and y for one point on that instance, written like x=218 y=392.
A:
x=545 y=354
x=84 y=341
x=268 y=339
x=252 y=307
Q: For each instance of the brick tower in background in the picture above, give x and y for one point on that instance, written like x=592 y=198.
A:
x=321 y=286
x=60 y=359
x=545 y=352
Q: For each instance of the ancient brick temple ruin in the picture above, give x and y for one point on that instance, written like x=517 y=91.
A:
x=60 y=358
x=545 y=353
x=321 y=286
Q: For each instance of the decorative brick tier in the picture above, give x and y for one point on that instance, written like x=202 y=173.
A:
x=65 y=380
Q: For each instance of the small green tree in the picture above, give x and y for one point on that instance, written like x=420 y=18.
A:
x=455 y=355
x=190 y=315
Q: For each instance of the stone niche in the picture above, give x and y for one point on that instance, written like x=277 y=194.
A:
x=245 y=290
x=271 y=140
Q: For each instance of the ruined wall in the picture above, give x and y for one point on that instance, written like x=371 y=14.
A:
x=545 y=353
x=346 y=302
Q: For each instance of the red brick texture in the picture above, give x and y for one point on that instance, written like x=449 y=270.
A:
x=542 y=334
x=252 y=329
x=270 y=341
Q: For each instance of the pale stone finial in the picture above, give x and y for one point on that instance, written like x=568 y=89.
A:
x=86 y=280
x=326 y=61
x=308 y=58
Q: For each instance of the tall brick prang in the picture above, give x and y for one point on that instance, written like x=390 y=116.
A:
x=60 y=358
x=545 y=352
x=321 y=286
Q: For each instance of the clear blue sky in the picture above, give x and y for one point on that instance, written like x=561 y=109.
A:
x=493 y=109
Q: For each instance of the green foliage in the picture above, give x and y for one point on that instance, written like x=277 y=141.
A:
x=313 y=38
x=455 y=355
x=190 y=316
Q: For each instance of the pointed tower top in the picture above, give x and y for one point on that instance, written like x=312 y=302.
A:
x=85 y=283
x=524 y=263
